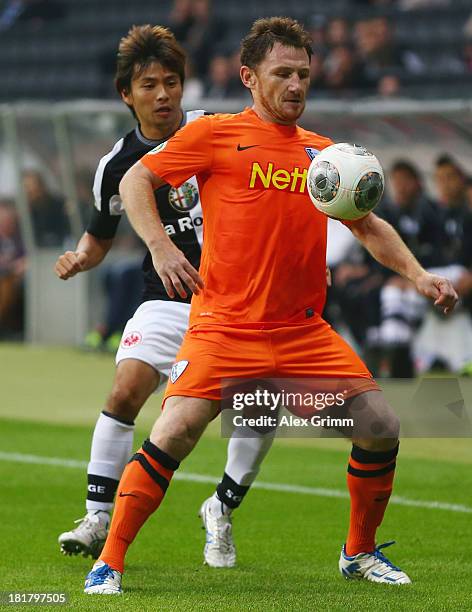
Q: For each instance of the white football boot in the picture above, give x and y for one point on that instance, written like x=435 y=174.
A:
x=371 y=566
x=219 y=548
x=102 y=580
x=89 y=537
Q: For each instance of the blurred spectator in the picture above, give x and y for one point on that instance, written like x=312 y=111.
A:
x=223 y=79
x=416 y=217
x=198 y=31
x=12 y=271
x=318 y=32
x=418 y=221
x=50 y=223
x=379 y=52
x=122 y=280
x=193 y=87
x=317 y=75
x=451 y=185
x=450 y=182
x=236 y=87
x=342 y=71
x=447 y=343
x=389 y=86
x=391 y=308
x=353 y=301
x=219 y=78
x=83 y=185
x=123 y=284
x=338 y=33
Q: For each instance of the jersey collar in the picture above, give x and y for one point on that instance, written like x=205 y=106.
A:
x=286 y=130
x=154 y=143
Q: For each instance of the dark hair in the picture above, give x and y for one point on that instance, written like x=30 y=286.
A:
x=447 y=160
x=402 y=165
x=142 y=46
x=267 y=31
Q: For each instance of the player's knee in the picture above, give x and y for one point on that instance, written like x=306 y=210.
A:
x=177 y=437
x=185 y=432
x=374 y=420
x=393 y=427
x=176 y=445
x=384 y=433
x=385 y=426
x=125 y=401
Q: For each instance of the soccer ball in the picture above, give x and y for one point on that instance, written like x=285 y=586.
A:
x=345 y=181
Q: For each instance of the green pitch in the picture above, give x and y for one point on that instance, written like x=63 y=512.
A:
x=288 y=542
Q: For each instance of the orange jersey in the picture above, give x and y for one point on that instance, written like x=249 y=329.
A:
x=264 y=246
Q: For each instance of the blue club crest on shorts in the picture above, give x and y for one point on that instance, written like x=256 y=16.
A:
x=177 y=370
x=183 y=198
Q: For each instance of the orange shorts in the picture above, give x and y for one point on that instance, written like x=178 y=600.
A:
x=211 y=353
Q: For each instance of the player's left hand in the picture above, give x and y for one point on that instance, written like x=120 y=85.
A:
x=439 y=289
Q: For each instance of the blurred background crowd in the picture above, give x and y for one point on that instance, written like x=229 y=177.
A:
x=63 y=50
x=382 y=311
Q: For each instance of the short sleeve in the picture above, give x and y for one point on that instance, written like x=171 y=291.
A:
x=108 y=209
x=106 y=183
x=102 y=225
x=186 y=154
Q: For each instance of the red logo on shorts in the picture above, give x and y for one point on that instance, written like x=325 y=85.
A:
x=131 y=339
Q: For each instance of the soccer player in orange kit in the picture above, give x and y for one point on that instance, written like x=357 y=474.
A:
x=257 y=301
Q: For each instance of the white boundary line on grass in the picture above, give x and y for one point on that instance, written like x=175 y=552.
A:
x=268 y=486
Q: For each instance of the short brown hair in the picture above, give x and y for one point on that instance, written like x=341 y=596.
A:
x=447 y=160
x=142 y=46
x=267 y=31
x=403 y=165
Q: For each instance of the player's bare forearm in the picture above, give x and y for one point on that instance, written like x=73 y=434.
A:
x=95 y=248
x=137 y=192
x=385 y=245
x=90 y=251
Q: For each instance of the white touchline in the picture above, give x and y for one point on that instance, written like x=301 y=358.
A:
x=268 y=486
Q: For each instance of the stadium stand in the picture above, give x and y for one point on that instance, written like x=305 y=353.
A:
x=61 y=55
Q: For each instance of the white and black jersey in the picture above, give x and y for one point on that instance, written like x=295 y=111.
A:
x=179 y=209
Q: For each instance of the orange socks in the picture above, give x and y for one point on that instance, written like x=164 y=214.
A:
x=370 y=480
x=142 y=487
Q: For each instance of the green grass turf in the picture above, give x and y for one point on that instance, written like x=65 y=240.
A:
x=288 y=543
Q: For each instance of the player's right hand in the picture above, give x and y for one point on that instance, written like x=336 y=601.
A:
x=175 y=271
x=70 y=263
x=439 y=289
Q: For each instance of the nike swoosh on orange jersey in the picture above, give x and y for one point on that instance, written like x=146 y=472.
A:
x=240 y=148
